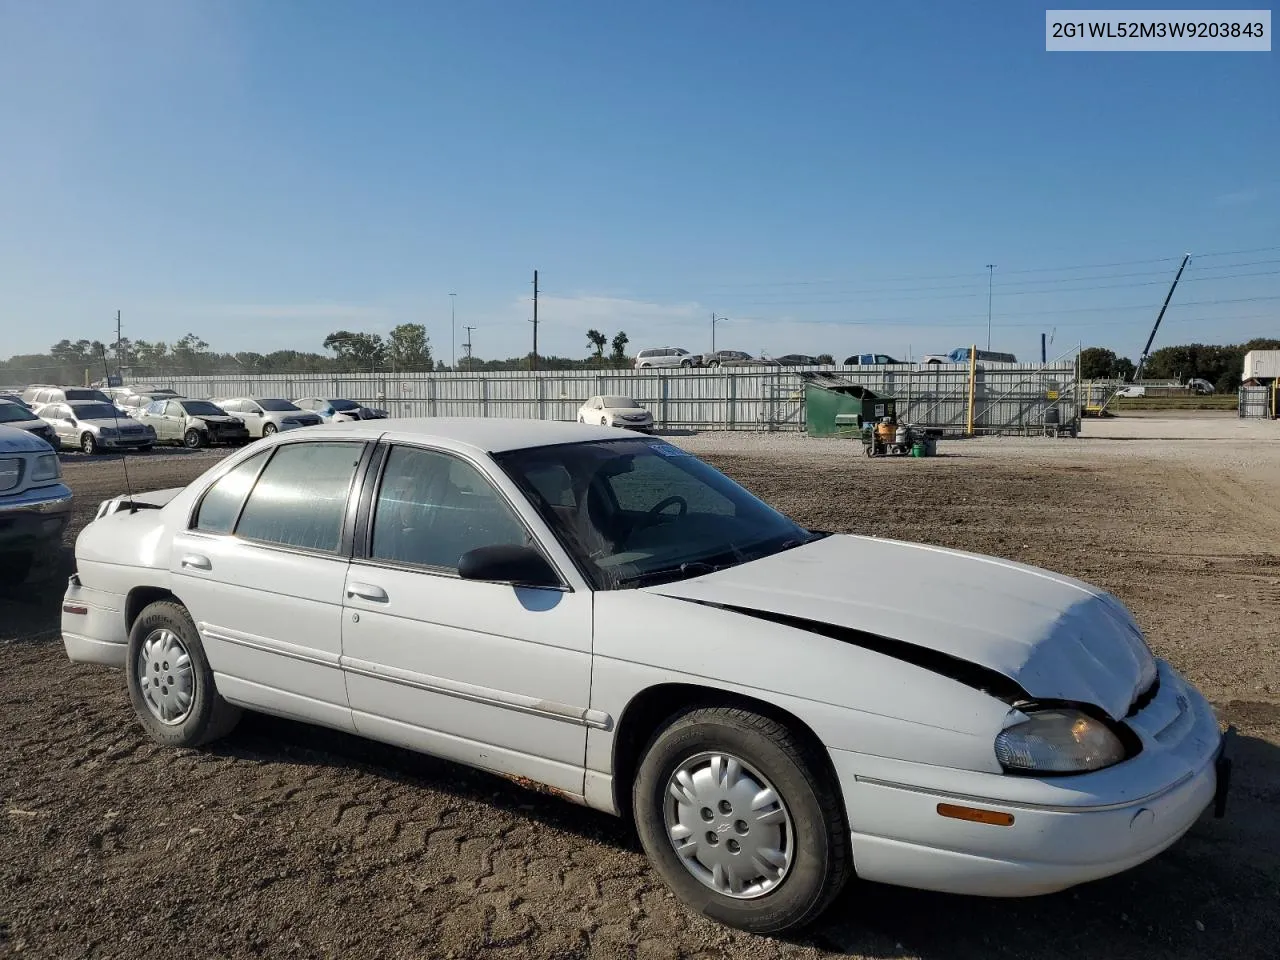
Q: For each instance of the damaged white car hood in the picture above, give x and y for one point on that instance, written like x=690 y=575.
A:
x=1056 y=637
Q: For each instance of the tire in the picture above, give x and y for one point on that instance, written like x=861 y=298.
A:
x=713 y=364
x=582 y=419
x=268 y=429
x=604 y=421
x=207 y=716
x=88 y=443
x=688 y=364
x=812 y=818
x=193 y=439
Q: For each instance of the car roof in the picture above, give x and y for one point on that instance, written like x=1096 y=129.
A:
x=488 y=434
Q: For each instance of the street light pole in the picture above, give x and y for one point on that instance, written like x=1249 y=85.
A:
x=991 y=268
x=714 y=321
x=453 y=332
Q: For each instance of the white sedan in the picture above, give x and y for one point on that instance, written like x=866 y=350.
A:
x=616 y=411
x=613 y=620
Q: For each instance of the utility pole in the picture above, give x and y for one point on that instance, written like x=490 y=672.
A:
x=453 y=332
x=119 y=370
x=714 y=321
x=991 y=270
x=1043 y=354
x=468 y=346
x=533 y=362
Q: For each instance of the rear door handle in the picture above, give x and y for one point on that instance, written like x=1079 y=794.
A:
x=197 y=562
x=367 y=591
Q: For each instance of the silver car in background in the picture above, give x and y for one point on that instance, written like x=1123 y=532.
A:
x=666 y=357
x=94 y=426
x=340 y=411
x=265 y=416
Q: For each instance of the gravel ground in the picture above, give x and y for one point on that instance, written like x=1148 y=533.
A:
x=291 y=841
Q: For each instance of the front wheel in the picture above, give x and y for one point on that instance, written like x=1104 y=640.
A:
x=268 y=429
x=686 y=363
x=89 y=443
x=604 y=421
x=170 y=681
x=193 y=440
x=742 y=818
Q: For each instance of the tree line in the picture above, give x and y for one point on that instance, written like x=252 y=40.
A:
x=1219 y=364
x=406 y=349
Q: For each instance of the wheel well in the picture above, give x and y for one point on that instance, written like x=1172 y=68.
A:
x=648 y=710
x=139 y=599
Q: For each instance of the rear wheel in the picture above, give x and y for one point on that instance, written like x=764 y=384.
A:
x=604 y=421
x=193 y=439
x=89 y=443
x=170 y=682
x=742 y=818
x=686 y=363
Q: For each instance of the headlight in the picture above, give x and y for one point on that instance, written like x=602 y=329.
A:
x=47 y=467
x=1057 y=741
x=107 y=431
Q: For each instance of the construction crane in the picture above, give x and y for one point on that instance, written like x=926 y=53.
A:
x=1146 y=351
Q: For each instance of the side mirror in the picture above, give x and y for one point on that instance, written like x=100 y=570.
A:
x=508 y=563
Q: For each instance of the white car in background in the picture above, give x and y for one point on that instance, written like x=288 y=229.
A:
x=615 y=411
x=338 y=410
x=94 y=426
x=611 y=619
x=263 y=417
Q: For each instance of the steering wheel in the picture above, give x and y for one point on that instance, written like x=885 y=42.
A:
x=673 y=500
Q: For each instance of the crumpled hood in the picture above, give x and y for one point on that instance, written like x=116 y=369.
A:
x=1058 y=638
x=224 y=420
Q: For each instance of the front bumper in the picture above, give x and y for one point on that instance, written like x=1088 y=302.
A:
x=1065 y=830
x=126 y=443
x=35 y=518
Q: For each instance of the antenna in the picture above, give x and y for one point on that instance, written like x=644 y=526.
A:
x=115 y=420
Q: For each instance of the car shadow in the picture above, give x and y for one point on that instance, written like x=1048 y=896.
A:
x=1213 y=894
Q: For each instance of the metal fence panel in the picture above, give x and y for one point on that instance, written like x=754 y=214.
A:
x=1006 y=397
x=1255 y=402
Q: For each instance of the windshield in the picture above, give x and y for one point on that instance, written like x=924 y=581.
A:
x=344 y=404
x=636 y=512
x=11 y=413
x=202 y=408
x=96 y=411
x=619 y=403
x=277 y=406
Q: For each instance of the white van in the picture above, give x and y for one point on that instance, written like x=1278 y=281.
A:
x=666 y=357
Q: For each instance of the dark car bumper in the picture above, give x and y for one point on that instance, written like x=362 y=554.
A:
x=228 y=436
x=35 y=519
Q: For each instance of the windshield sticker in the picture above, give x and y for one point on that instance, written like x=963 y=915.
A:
x=669 y=450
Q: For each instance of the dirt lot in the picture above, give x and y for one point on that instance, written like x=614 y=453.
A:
x=286 y=841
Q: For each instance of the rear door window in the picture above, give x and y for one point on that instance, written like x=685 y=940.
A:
x=300 y=499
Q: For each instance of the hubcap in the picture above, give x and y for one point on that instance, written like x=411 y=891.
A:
x=728 y=825
x=166 y=676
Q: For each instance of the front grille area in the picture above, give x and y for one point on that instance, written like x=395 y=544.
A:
x=10 y=473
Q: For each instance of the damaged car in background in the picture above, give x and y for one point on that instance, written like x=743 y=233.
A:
x=35 y=505
x=614 y=621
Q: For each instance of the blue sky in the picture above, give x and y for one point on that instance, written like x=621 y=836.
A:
x=833 y=177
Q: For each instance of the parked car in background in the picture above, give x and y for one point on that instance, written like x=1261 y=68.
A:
x=869 y=359
x=263 y=417
x=15 y=398
x=729 y=358
x=796 y=360
x=340 y=411
x=132 y=401
x=1200 y=387
x=1131 y=392
x=961 y=355
x=193 y=423
x=612 y=619
x=615 y=411
x=35 y=505
x=666 y=357
x=36 y=397
x=93 y=426
x=21 y=417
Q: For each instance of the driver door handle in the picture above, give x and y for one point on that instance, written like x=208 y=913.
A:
x=197 y=562
x=367 y=591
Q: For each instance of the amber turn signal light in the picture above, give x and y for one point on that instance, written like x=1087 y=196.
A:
x=975 y=815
